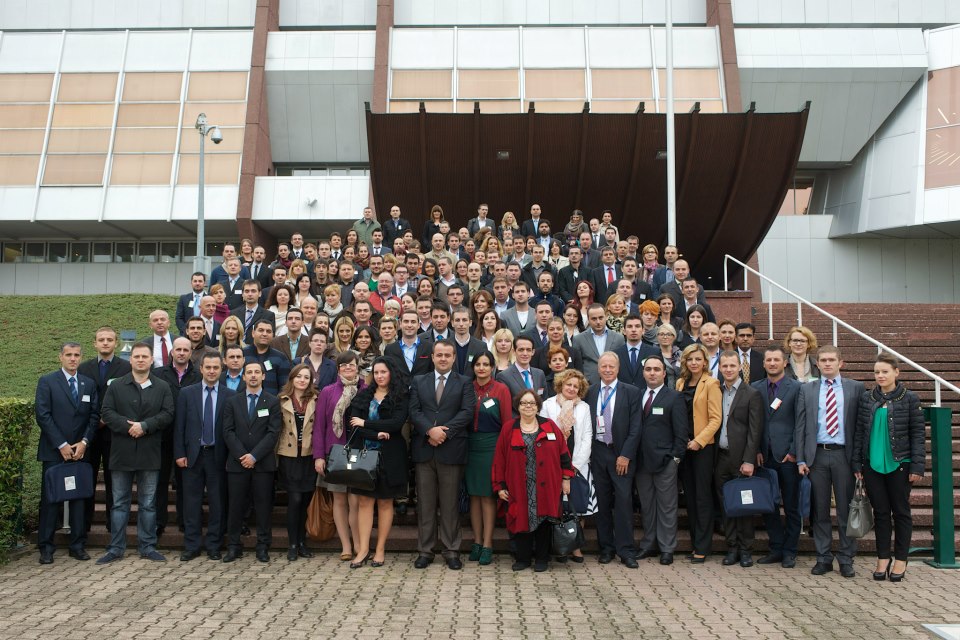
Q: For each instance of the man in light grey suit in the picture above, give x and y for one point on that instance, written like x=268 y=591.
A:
x=591 y=344
x=826 y=421
x=521 y=375
x=519 y=317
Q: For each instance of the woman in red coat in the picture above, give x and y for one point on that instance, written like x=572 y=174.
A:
x=531 y=467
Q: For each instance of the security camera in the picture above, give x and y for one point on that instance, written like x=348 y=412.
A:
x=311 y=202
x=216 y=136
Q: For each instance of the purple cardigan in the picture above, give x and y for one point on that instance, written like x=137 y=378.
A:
x=323 y=437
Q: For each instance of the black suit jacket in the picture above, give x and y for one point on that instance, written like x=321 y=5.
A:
x=169 y=375
x=257 y=437
x=422 y=363
x=663 y=433
x=626 y=417
x=601 y=289
x=757 y=371
x=91 y=368
x=265 y=275
x=744 y=427
x=567 y=279
x=60 y=420
x=184 y=311
x=474 y=348
x=574 y=360
x=393 y=229
x=779 y=425
x=259 y=314
x=188 y=424
x=529 y=227
x=627 y=373
x=454 y=411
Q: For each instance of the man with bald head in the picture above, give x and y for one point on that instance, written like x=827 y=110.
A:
x=383 y=293
x=681 y=271
x=211 y=328
x=161 y=342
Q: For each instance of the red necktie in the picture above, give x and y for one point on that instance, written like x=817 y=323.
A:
x=833 y=421
x=609 y=275
x=164 y=354
x=648 y=403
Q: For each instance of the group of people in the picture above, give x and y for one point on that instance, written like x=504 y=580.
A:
x=539 y=373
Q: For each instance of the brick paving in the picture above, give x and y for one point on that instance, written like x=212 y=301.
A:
x=322 y=598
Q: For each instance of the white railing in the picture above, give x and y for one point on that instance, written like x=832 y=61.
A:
x=938 y=381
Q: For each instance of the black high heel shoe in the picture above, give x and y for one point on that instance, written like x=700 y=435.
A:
x=882 y=575
x=897 y=577
x=357 y=565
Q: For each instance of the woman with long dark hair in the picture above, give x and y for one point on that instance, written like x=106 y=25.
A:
x=432 y=225
x=296 y=472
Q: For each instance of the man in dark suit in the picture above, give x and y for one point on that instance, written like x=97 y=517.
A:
x=615 y=414
x=137 y=409
x=691 y=294
x=394 y=227
x=211 y=328
x=481 y=221
x=201 y=455
x=663 y=440
x=233 y=284
x=441 y=412
x=570 y=275
x=543 y=314
x=103 y=370
x=251 y=426
x=681 y=271
x=68 y=410
x=467 y=347
x=590 y=253
x=633 y=352
x=606 y=275
x=278 y=275
x=752 y=362
x=737 y=445
x=276 y=366
x=521 y=375
x=220 y=275
x=531 y=227
x=250 y=312
x=665 y=273
x=189 y=303
x=777 y=452
x=411 y=354
x=259 y=269
x=826 y=421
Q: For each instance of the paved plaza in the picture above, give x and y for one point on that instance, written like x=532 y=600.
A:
x=322 y=598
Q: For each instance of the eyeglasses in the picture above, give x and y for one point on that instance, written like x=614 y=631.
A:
x=799 y=340
x=348 y=365
x=527 y=403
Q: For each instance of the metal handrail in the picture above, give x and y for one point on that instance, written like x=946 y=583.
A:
x=938 y=381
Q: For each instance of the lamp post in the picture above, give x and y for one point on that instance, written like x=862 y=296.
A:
x=671 y=134
x=200 y=260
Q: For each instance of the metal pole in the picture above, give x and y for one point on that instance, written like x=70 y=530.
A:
x=201 y=239
x=944 y=549
x=671 y=135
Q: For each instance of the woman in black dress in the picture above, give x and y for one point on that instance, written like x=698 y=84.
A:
x=377 y=414
x=298 y=403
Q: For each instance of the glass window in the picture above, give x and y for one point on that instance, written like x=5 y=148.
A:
x=36 y=252
x=189 y=251
x=215 y=248
x=12 y=252
x=124 y=252
x=169 y=252
x=102 y=252
x=797 y=200
x=57 y=252
x=79 y=252
x=147 y=252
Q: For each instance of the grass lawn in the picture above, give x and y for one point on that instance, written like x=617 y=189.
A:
x=33 y=327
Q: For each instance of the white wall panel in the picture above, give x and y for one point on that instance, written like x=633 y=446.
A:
x=143 y=47
x=421 y=49
x=16 y=203
x=620 y=48
x=839 y=12
x=488 y=48
x=221 y=50
x=553 y=48
x=943 y=48
x=82 y=203
x=543 y=12
x=126 y=14
x=285 y=198
x=693 y=47
x=219 y=203
x=29 y=52
x=94 y=51
x=149 y=203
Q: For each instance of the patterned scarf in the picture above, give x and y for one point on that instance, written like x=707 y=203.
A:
x=349 y=391
x=566 y=419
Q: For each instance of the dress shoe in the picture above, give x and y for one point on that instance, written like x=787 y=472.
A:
x=882 y=575
x=746 y=559
x=561 y=559
x=187 y=556
x=894 y=577
x=697 y=559
x=630 y=563
x=846 y=570
x=303 y=551
x=788 y=562
x=732 y=557
x=153 y=556
x=108 y=558
x=520 y=566
x=214 y=555
x=232 y=554
x=540 y=567
x=422 y=562
x=292 y=553
x=605 y=557
x=486 y=556
x=474 y=552
x=263 y=555
x=821 y=568
x=46 y=557
x=79 y=554
x=376 y=564
x=454 y=563
x=647 y=553
x=577 y=559
x=357 y=565
x=771 y=558
x=666 y=558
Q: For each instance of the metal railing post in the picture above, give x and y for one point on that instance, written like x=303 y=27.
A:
x=944 y=547
x=799 y=314
x=770 y=310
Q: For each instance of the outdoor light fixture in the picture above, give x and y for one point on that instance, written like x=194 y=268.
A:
x=200 y=261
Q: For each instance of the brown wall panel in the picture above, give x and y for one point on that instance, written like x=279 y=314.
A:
x=83 y=115
x=21 y=140
x=145 y=140
x=421 y=84
x=217 y=85
x=87 y=87
x=79 y=141
x=554 y=83
x=232 y=141
x=74 y=170
x=148 y=115
x=25 y=87
x=621 y=83
x=152 y=87
x=218 y=169
x=141 y=169
x=225 y=114
x=488 y=83
x=19 y=170
x=24 y=116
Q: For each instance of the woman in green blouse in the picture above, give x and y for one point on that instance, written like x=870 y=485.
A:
x=888 y=455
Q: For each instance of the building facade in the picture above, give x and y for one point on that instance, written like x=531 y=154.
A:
x=99 y=154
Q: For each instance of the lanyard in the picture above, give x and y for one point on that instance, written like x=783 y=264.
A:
x=603 y=405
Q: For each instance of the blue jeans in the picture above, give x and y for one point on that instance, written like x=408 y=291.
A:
x=147 y=514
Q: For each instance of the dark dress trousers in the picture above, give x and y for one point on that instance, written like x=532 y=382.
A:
x=256 y=435
x=61 y=420
x=169 y=375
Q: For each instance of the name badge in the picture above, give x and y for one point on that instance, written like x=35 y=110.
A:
x=85 y=399
x=775 y=404
x=268 y=365
x=643 y=296
x=551 y=436
x=746 y=497
x=263 y=413
x=146 y=385
x=540 y=391
x=110 y=381
x=190 y=304
x=469 y=358
x=239 y=292
x=657 y=411
x=601 y=427
x=489 y=403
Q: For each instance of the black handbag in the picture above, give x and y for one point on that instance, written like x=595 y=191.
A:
x=567 y=535
x=354 y=468
x=68 y=481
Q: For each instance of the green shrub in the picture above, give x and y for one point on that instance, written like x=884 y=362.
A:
x=16 y=423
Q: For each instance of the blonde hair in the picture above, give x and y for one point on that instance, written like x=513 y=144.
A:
x=811 y=339
x=230 y=320
x=503 y=333
x=689 y=351
x=561 y=378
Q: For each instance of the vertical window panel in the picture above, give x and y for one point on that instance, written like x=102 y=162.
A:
x=217 y=85
x=145 y=140
x=87 y=87
x=148 y=115
x=25 y=87
x=21 y=140
x=152 y=87
x=82 y=115
x=543 y=84
x=498 y=83
x=19 y=170
x=218 y=169
x=141 y=169
x=695 y=84
x=421 y=84
x=24 y=116
x=621 y=83
x=79 y=141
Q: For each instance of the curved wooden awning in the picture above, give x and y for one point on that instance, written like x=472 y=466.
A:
x=733 y=170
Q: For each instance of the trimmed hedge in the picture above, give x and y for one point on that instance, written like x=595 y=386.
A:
x=16 y=423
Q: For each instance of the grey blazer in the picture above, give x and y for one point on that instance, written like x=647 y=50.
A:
x=584 y=344
x=808 y=400
x=514 y=381
x=510 y=320
x=779 y=425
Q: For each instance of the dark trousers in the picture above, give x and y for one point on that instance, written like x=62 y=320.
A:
x=98 y=455
x=438 y=501
x=890 y=493
x=696 y=477
x=297 y=503
x=50 y=518
x=614 y=502
x=831 y=470
x=738 y=531
x=784 y=534
x=204 y=474
x=534 y=544
x=243 y=487
x=168 y=469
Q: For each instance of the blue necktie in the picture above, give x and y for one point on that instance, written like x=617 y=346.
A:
x=633 y=357
x=206 y=437
x=104 y=365
x=246 y=325
x=196 y=305
x=73 y=390
x=252 y=408
x=526 y=379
